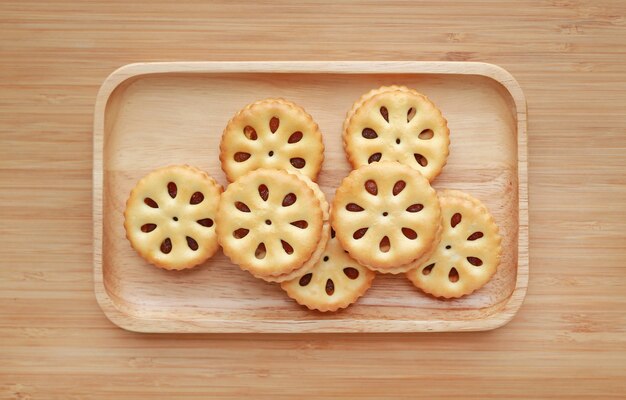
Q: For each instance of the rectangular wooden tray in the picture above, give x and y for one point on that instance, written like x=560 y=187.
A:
x=155 y=114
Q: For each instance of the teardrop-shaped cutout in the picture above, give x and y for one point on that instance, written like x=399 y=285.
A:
x=150 y=202
x=148 y=227
x=302 y=224
x=241 y=156
x=427 y=269
x=305 y=279
x=475 y=236
x=274 y=123
x=385 y=113
x=289 y=199
x=410 y=114
x=359 y=233
x=330 y=287
x=413 y=208
x=196 y=198
x=455 y=220
x=371 y=187
x=332 y=233
x=193 y=245
x=287 y=247
x=354 y=207
x=295 y=137
x=426 y=134
x=384 y=245
x=374 y=158
x=351 y=272
x=250 y=132
x=260 y=251
x=297 y=162
x=242 y=206
x=421 y=160
x=398 y=187
x=409 y=233
x=166 y=246
x=172 y=189
x=240 y=233
x=475 y=261
x=369 y=133
x=453 y=276
x=264 y=192
x=206 y=222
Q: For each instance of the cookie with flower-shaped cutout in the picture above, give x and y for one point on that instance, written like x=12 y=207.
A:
x=170 y=214
x=270 y=223
x=271 y=133
x=468 y=253
x=395 y=123
x=335 y=282
x=387 y=216
x=325 y=236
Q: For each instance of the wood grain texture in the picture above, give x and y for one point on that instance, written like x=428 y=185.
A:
x=154 y=114
x=567 y=341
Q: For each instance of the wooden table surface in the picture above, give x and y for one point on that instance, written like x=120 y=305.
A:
x=568 y=340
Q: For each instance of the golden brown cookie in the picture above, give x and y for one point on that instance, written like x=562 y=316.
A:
x=310 y=263
x=386 y=215
x=469 y=251
x=335 y=282
x=271 y=133
x=170 y=214
x=269 y=222
x=396 y=123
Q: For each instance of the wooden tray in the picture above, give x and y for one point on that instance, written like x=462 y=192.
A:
x=151 y=115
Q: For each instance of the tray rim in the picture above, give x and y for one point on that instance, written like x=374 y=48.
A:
x=505 y=313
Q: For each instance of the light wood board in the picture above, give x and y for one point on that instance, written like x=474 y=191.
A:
x=568 y=339
x=151 y=115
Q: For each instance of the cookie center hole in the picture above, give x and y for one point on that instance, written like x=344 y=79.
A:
x=271 y=153
x=325 y=258
x=175 y=219
x=398 y=141
x=385 y=214
x=448 y=247
x=268 y=222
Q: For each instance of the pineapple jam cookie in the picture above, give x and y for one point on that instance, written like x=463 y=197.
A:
x=271 y=133
x=395 y=123
x=270 y=223
x=335 y=282
x=170 y=217
x=387 y=216
x=468 y=254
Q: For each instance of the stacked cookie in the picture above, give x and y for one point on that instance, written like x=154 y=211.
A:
x=274 y=222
